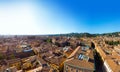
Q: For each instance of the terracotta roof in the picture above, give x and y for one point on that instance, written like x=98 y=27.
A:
x=41 y=61
x=81 y=64
x=117 y=69
x=111 y=59
x=101 y=52
x=111 y=64
x=13 y=60
x=74 y=52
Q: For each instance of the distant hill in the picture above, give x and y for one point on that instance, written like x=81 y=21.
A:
x=114 y=34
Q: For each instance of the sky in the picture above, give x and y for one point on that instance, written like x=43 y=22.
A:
x=31 y=17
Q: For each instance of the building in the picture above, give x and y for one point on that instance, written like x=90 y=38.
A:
x=110 y=56
x=11 y=69
x=14 y=62
x=81 y=60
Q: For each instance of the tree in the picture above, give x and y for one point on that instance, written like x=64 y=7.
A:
x=49 y=40
x=12 y=56
x=1 y=56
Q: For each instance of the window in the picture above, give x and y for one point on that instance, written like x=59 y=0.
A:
x=76 y=70
x=66 y=67
x=71 y=69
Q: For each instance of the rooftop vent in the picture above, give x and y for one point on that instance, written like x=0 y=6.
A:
x=83 y=57
x=118 y=62
x=85 y=48
x=108 y=51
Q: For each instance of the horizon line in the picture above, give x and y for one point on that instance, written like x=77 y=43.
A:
x=52 y=34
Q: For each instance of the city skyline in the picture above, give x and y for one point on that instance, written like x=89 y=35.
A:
x=58 y=16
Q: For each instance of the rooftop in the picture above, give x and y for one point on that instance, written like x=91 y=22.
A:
x=81 y=64
x=81 y=59
x=110 y=54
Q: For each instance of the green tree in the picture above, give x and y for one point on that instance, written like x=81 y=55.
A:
x=49 y=40
x=12 y=56
x=1 y=56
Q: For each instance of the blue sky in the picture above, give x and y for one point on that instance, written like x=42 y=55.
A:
x=59 y=16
